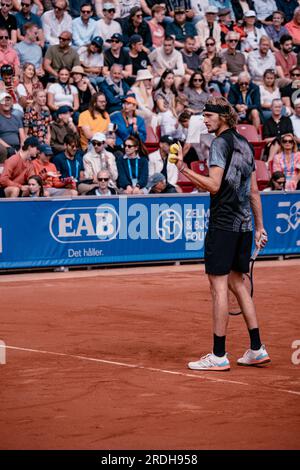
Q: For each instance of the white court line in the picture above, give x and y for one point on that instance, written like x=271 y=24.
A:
x=136 y=366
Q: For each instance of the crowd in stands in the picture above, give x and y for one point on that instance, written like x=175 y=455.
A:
x=94 y=93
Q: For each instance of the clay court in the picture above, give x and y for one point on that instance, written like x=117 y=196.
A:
x=97 y=360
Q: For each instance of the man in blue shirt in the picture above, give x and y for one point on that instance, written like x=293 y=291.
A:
x=84 y=27
x=25 y=16
x=180 y=29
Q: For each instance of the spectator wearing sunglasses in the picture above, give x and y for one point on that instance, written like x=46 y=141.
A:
x=287 y=160
x=8 y=55
x=102 y=189
x=84 y=27
x=25 y=16
x=135 y=24
x=98 y=159
x=117 y=55
x=107 y=26
x=235 y=60
x=103 y=5
x=55 y=22
x=132 y=168
x=244 y=96
x=61 y=56
x=8 y=20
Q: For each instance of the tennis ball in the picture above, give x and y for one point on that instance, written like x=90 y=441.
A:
x=174 y=149
x=171 y=158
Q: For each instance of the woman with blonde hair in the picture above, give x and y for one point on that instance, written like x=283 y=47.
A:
x=287 y=160
x=143 y=90
x=29 y=84
x=37 y=118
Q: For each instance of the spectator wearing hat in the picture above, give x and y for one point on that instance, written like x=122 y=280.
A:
x=29 y=50
x=92 y=60
x=135 y=24
x=102 y=189
x=276 y=29
x=157 y=184
x=7 y=53
x=11 y=128
x=143 y=91
x=223 y=5
x=83 y=27
x=63 y=124
x=84 y=87
x=227 y=24
x=9 y=84
x=209 y=27
x=240 y=7
x=139 y=58
x=132 y=168
x=94 y=119
x=260 y=60
x=62 y=93
x=127 y=121
x=117 y=55
x=18 y=168
x=114 y=88
x=107 y=26
x=56 y=21
x=180 y=28
x=47 y=171
x=62 y=55
x=253 y=32
x=167 y=57
x=25 y=16
x=185 y=5
x=98 y=158
x=37 y=118
x=8 y=20
x=156 y=25
x=158 y=161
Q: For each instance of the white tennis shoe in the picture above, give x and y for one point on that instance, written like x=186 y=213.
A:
x=211 y=362
x=254 y=358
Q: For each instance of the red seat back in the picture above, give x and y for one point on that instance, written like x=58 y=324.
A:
x=200 y=167
x=249 y=132
x=262 y=174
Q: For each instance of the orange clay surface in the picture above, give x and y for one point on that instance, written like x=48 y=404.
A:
x=97 y=360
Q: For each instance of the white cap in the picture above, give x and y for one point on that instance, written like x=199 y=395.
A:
x=108 y=6
x=143 y=74
x=99 y=136
x=212 y=9
x=250 y=14
x=4 y=95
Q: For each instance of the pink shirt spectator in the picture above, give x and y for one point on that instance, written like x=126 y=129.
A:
x=157 y=33
x=10 y=56
x=290 y=167
x=286 y=63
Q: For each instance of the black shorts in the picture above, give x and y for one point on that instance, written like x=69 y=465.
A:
x=227 y=251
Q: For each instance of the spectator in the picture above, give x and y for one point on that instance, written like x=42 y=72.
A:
x=92 y=60
x=18 y=168
x=213 y=66
x=117 y=55
x=84 y=27
x=190 y=58
x=296 y=121
x=209 y=27
x=143 y=91
x=8 y=20
x=98 y=158
x=103 y=5
x=276 y=29
x=240 y=7
x=94 y=119
x=7 y=54
x=61 y=56
x=261 y=60
x=37 y=118
x=277 y=182
x=114 y=88
x=196 y=92
x=69 y=162
x=166 y=93
x=11 y=128
x=253 y=32
x=35 y=186
x=47 y=171
x=56 y=22
x=269 y=91
x=155 y=25
x=287 y=160
x=274 y=128
x=166 y=57
x=29 y=84
x=227 y=25
x=180 y=28
x=157 y=184
x=135 y=24
x=245 y=98
x=29 y=50
x=107 y=26
x=293 y=28
x=223 y=5
x=132 y=168
x=286 y=59
x=264 y=10
x=25 y=16
x=158 y=161
x=102 y=189
x=235 y=60
x=84 y=87
x=62 y=125
x=127 y=122
x=138 y=56
x=291 y=92
x=287 y=7
x=197 y=140
x=62 y=93
x=169 y=124
x=111 y=138
x=9 y=84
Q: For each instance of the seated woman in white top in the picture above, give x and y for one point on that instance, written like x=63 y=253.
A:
x=62 y=93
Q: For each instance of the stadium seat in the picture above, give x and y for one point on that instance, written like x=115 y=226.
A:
x=184 y=183
x=262 y=174
x=152 y=140
x=200 y=167
x=249 y=132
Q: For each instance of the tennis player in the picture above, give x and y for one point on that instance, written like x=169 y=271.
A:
x=233 y=191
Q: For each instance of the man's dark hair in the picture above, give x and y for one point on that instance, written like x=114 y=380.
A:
x=70 y=139
x=284 y=38
x=30 y=142
x=169 y=38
